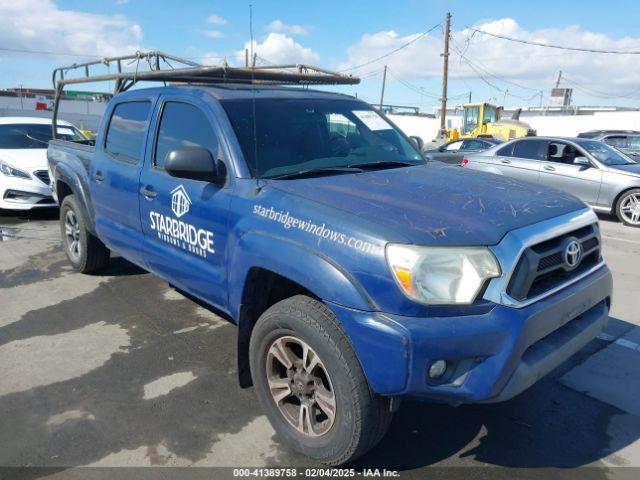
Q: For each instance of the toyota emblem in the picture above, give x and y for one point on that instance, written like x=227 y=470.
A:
x=573 y=253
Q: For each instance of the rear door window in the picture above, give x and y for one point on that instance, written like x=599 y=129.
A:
x=634 y=142
x=127 y=131
x=530 y=149
x=454 y=146
x=506 y=151
x=618 y=141
x=473 y=145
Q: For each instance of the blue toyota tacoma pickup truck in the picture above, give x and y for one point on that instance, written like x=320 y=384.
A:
x=358 y=275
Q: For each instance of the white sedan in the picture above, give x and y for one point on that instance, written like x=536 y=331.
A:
x=24 y=172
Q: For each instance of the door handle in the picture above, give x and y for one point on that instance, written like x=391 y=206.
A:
x=504 y=160
x=549 y=168
x=149 y=194
x=97 y=176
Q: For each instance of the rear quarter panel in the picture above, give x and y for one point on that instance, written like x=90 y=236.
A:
x=69 y=163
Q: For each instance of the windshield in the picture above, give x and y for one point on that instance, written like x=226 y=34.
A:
x=604 y=153
x=470 y=121
x=295 y=135
x=490 y=114
x=25 y=135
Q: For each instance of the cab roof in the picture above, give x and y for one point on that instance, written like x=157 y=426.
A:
x=231 y=91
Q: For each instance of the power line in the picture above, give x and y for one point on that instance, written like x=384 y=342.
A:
x=597 y=93
x=560 y=47
x=81 y=55
x=414 y=88
x=405 y=45
x=421 y=91
x=487 y=72
x=45 y=52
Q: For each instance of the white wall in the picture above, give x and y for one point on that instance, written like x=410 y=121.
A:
x=85 y=115
x=424 y=127
x=572 y=125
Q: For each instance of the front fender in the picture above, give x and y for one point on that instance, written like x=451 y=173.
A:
x=309 y=268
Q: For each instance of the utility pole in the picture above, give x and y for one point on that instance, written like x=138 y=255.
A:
x=559 y=78
x=445 y=75
x=504 y=98
x=384 y=81
x=470 y=91
x=246 y=57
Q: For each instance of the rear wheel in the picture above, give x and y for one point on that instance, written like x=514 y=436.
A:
x=628 y=208
x=85 y=251
x=310 y=383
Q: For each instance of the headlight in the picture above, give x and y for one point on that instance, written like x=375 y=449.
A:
x=441 y=275
x=10 y=171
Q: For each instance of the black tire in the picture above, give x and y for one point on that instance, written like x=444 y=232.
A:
x=622 y=216
x=91 y=255
x=361 y=417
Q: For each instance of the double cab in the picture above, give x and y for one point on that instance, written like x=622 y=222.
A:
x=357 y=273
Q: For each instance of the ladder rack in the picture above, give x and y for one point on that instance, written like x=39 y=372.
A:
x=160 y=69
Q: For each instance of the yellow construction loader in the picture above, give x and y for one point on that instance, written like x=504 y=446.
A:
x=485 y=120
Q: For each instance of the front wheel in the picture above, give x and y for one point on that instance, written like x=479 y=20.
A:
x=86 y=252
x=311 y=385
x=628 y=208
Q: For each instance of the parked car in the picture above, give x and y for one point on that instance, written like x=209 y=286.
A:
x=24 y=172
x=454 y=151
x=358 y=274
x=601 y=176
x=628 y=141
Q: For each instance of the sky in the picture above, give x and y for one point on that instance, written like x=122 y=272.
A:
x=343 y=35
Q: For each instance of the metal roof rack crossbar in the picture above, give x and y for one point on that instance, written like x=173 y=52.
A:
x=190 y=72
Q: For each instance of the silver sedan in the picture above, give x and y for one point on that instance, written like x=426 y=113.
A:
x=601 y=176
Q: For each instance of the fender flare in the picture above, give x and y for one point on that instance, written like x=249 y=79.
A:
x=72 y=180
x=313 y=270
x=309 y=268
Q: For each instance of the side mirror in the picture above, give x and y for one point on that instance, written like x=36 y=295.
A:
x=418 y=141
x=194 y=163
x=582 y=162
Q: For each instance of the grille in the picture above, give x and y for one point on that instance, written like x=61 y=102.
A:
x=43 y=175
x=542 y=267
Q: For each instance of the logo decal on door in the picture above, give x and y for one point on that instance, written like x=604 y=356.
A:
x=179 y=233
x=180 y=201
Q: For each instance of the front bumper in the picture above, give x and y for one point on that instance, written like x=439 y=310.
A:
x=494 y=356
x=24 y=194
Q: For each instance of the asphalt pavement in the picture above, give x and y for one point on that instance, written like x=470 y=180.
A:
x=120 y=370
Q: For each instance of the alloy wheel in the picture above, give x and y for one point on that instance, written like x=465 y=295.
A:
x=72 y=234
x=630 y=208
x=300 y=386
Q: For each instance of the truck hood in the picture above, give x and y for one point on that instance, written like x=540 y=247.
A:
x=25 y=158
x=437 y=205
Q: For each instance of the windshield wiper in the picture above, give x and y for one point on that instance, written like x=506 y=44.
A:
x=317 y=172
x=36 y=139
x=383 y=164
